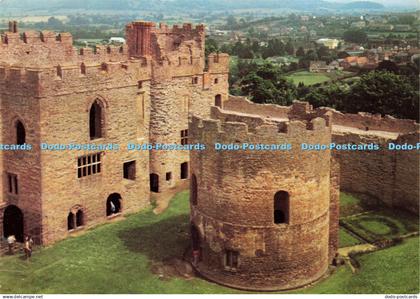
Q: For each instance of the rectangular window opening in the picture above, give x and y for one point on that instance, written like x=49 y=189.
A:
x=88 y=165
x=231 y=259
x=168 y=176
x=130 y=170
x=12 y=183
x=184 y=137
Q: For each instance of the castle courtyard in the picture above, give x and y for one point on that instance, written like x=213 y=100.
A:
x=139 y=254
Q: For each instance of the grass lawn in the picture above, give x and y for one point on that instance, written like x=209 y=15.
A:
x=382 y=224
x=116 y=258
x=348 y=200
x=346 y=239
x=350 y=205
x=308 y=78
x=394 y=270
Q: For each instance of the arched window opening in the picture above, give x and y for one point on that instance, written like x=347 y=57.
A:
x=75 y=218
x=95 y=121
x=20 y=133
x=70 y=221
x=281 y=207
x=113 y=204
x=218 y=101
x=79 y=218
x=194 y=190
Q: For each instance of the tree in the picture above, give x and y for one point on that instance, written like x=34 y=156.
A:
x=242 y=51
x=355 y=36
x=211 y=46
x=265 y=84
x=323 y=51
x=333 y=95
x=300 y=52
x=385 y=93
x=231 y=22
x=290 y=49
x=388 y=66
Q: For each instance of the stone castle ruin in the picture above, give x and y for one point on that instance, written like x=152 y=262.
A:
x=260 y=220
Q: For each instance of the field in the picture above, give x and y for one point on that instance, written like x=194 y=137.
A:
x=308 y=78
x=119 y=257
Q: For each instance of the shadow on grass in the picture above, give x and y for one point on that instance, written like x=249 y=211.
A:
x=159 y=241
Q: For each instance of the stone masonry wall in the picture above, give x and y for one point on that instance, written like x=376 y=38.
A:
x=235 y=201
x=389 y=176
x=24 y=164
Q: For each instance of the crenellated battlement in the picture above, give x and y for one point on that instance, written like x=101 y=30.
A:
x=38 y=49
x=237 y=127
x=371 y=122
x=302 y=110
x=63 y=78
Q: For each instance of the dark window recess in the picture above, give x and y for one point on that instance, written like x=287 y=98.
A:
x=154 y=182
x=88 y=165
x=218 y=101
x=79 y=218
x=59 y=72
x=184 y=171
x=20 y=133
x=130 y=170
x=184 y=137
x=281 y=207
x=95 y=121
x=83 y=69
x=12 y=183
x=70 y=221
x=231 y=259
x=169 y=176
x=216 y=81
x=195 y=80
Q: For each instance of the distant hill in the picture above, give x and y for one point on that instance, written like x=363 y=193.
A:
x=368 y=5
x=187 y=5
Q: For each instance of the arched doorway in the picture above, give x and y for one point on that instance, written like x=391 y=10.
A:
x=113 y=204
x=13 y=223
x=154 y=182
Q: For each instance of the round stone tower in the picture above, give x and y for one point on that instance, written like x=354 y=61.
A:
x=260 y=219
